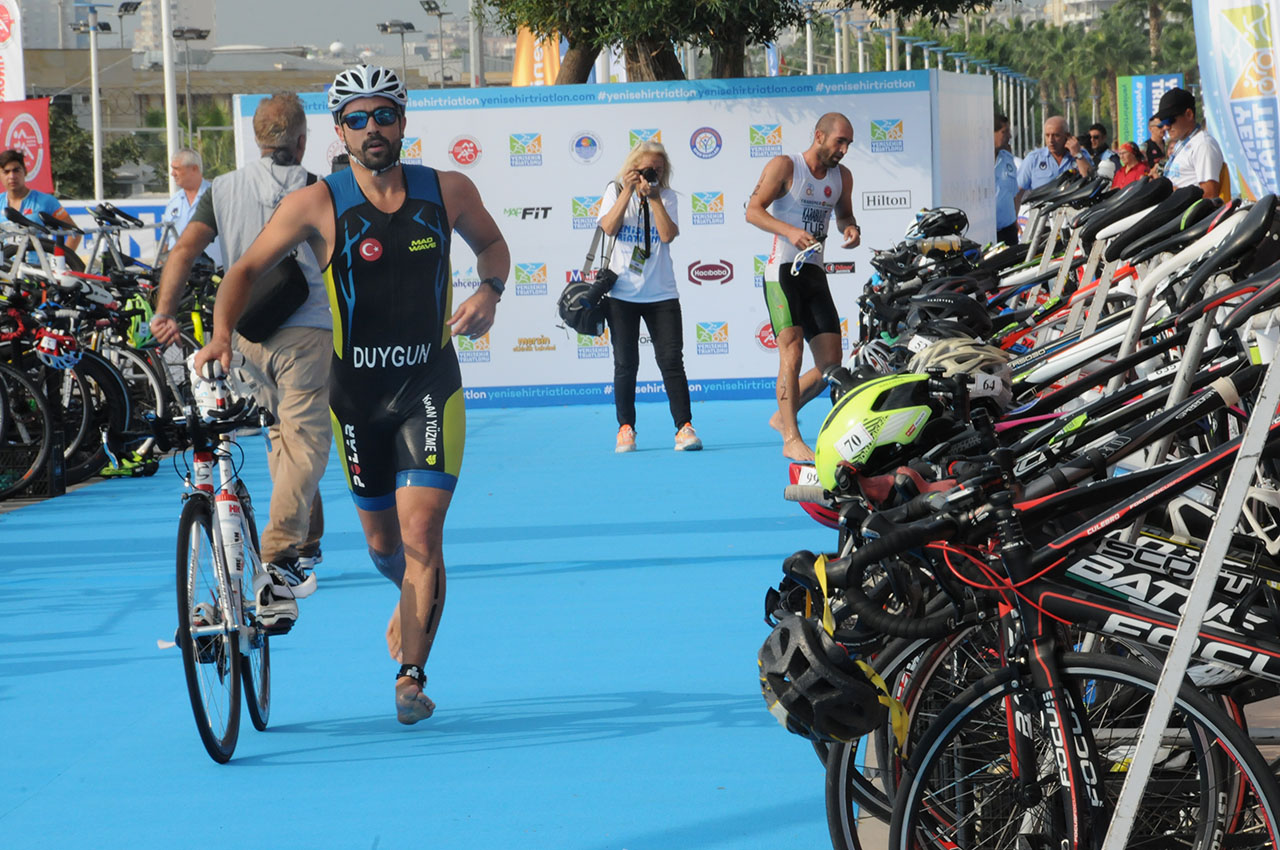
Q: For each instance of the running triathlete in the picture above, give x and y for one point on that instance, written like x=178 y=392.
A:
x=801 y=191
x=396 y=396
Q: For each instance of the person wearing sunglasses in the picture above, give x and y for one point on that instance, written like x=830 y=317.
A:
x=383 y=232
x=1100 y=144
x=1194 y=156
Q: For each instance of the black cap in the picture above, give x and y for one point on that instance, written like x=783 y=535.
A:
x=1173 y=103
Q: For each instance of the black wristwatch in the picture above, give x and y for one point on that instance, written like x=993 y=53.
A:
x=496 y=284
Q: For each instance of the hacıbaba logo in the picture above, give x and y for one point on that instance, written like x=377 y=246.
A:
x=526 y=149
x=716 y=272
x=712 y=337
x=708 y=207
x=886 y=135
x=531 y=278
x=764 y=140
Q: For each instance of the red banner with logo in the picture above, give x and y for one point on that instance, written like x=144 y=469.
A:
x=24 y=126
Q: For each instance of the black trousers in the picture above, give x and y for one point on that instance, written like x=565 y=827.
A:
x=663 y=320
x=1008 y=235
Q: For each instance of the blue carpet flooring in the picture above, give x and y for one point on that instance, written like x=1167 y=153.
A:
x=595 y=670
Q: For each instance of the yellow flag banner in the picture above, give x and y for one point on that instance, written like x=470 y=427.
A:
x=537 y=61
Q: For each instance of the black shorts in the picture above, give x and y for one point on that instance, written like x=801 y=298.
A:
x=802 y=300
x=399 y=428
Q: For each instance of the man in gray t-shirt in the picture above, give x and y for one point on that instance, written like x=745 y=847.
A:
x=291 y=365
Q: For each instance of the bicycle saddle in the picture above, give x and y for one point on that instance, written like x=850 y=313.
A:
x=20 y=219
x=1168 y=210
x=1129 y=200
x=1245 y=238
x=1178 y=234
x=1266 y=286
x=1088 y=192
x=58 y=224
x=1046 y=195
x=121 y=215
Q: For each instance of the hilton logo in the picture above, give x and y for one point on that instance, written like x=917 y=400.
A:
x=886 y=200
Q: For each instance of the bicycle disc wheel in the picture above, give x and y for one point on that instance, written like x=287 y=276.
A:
x=255 y=645
x=211 y=660
x=961 y=791
x=26 y=430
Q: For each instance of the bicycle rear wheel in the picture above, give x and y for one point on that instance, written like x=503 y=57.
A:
x=255 y=645
x=211 y=660
x=26 y=430
x=962 y=791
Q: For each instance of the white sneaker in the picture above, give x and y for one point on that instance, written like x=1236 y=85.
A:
x=276 y=609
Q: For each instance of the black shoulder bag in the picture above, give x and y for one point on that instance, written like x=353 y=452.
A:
x=275 y=297
x=580 y=304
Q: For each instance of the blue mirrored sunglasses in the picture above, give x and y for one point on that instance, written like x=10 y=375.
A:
x=1167 y=122
x=385 y=116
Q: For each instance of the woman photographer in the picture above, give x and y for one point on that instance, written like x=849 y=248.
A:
x=639 y=208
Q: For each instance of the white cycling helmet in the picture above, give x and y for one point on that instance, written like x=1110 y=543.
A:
x=365 y=81
x=987 y=365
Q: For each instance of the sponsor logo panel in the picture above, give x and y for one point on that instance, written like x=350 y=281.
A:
x=712 y=337
x=764 y=140
x=844 y=333
x=714 y=272
x=760 y=262
x=465 y=151
x=839 y=268
x=411 y=150
x=705 y=142
x=472 y=350
x=708 y=207
x=886 y=135
x=528 y=213
x=765 y=338
x=585 y=211
x=526 y=344
x=898 y=200
x=650 y=135
x=525 y=149
x=585 y=147
x=594 y=347
x=531 y=278
x=466 y=279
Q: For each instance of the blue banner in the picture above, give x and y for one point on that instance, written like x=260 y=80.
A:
x=543 y=395
x=1139 y=98
x=771 y=59
x=1234 y=40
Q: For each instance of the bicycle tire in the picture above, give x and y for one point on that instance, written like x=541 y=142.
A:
x=147 y=390
x=26 y=430
x=106 y=399
x=212 y=666
x=255 y=644
x=1220 y=751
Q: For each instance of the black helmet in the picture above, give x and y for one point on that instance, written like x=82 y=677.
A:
x=948 y=314
x=813 y=687
x=939 y=221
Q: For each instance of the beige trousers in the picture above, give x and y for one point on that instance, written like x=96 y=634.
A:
x=292 y=370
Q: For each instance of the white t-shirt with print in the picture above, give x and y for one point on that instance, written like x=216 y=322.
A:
x=639 y=279
x=1194 y=161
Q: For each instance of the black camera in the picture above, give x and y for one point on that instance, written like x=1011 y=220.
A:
x=650 y=175
x=605 y=279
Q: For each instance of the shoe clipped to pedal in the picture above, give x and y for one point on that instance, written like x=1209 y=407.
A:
x=276 y=608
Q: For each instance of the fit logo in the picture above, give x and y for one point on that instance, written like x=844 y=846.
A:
x=524 y=213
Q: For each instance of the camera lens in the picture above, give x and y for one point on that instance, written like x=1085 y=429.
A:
x=650 y=175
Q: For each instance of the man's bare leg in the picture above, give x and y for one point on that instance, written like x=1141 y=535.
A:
x=382 y=534
x=421 y=511
x=811 y=386
x=790 y=354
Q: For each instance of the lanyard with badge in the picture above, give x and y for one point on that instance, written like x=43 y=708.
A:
x=1181 y=146
x=640 y=254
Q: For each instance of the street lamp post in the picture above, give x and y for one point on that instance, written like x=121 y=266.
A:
x=398 y=27
x=431 y=7
x=907 y=42
x=186 y=35
x=93 y=27
x=130 y=7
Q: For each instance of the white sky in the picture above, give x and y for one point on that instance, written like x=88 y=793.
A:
x=321 y=22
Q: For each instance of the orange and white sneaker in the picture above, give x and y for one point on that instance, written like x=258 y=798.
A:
x=626 y=440
x=687 y=439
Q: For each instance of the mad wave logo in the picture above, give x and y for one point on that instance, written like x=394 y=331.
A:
x=638 y=136
x=531 y=278
x=472 y=350
x=370 y=250
x=411 y=150
x=712 y=337
x=708 y=207
x=526 y=149
x=705 y=143
x=886 y=135
x=761 y=262
x=586 y=208
x=593 y=347
x=765 y=338
x=700 y=272
x=465 y=151
x=585 y=148
x=765 y=139
x=466 y=279
x=426 y=243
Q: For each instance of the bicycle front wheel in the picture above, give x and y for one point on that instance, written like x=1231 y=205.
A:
x=961 y=789
x=210 y=656
x=255 y=645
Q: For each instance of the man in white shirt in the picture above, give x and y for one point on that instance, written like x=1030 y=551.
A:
x=187 y=169
x=1194 y=156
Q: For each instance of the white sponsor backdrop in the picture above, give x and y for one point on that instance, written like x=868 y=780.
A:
x=13 y=85
x=541 y=158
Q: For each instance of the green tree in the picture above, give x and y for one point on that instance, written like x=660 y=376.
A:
x=71 y=155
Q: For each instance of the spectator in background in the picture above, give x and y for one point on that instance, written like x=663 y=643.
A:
x=1132 y=167
x=340 y=162
x=1194 y=155
x=1100 y=144
x=1006 y=185
x=1061 y=152
x=187 y=169
x=29 y=202
x=1153 y=150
